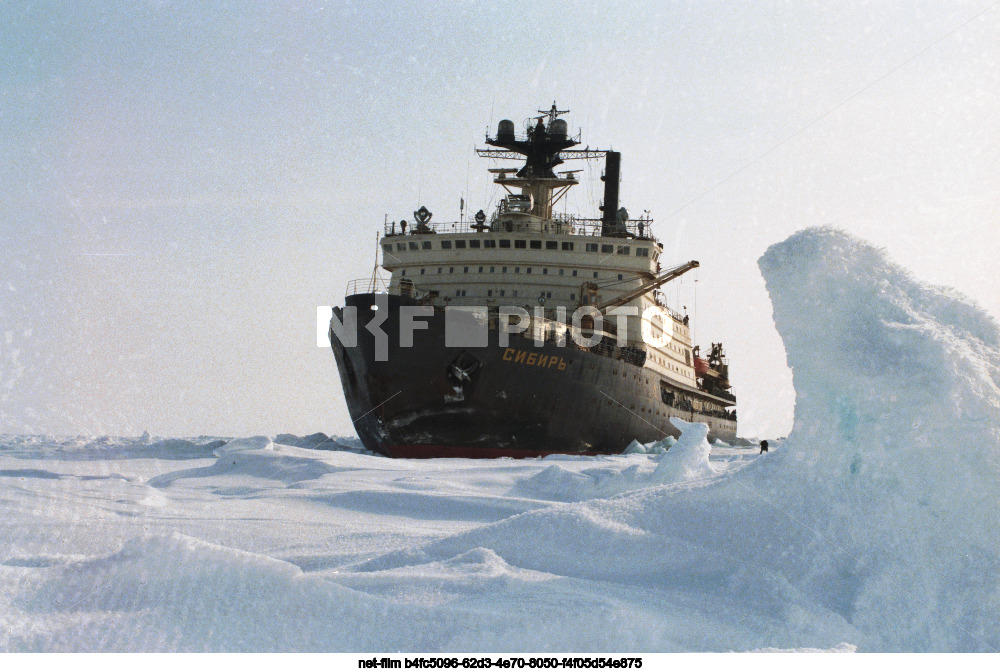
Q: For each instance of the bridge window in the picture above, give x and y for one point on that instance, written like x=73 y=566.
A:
x=520 y=244
x=400 y=247
x=550 y=244
x=642 y=251
x=426 y=245
x=445 y=244
x=387 y=248
x=567 y=247
x=474 y=243
x=592 y=247
x=460 y=244
x=536 y=244
x=413 y=246
x=505 y=243
x=490 y=243
x=623 y=249
x=607 y=249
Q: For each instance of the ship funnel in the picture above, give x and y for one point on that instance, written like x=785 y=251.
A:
x=505 y=132
x=610 y=225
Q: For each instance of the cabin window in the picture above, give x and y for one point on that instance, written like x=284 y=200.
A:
x=459 y=244
x=489 y=292
x=403 y=272
x=592 y=247
x=561 y=271
x=529 y=270
x=567 y=247
x=504 y=243
x=574 y=272
x=548 y=295
x=480 y=269
x=545 y=271
x=504 y=269
x=551 y=244
x=474 y=244
x=440 y=269
x=517 y=269
x=466 y=269
x=422 y=271
x=426 y=245
x=572 y=297
x=620 y=276
x=595 y=274
x=451 y=269
x=503 y=292
x=493 y=269
x=445 y=244
x=514 y=293
x=489 y=243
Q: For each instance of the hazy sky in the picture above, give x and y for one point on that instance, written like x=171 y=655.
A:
x=184 y=182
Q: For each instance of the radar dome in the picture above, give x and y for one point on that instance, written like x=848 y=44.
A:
x=506 y=130
x=557 y=129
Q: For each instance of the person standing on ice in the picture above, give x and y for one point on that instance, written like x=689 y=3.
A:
x=763 y=446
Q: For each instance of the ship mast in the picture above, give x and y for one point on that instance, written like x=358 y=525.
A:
x=544 y=146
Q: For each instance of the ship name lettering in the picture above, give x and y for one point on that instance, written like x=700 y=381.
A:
x=534 y=359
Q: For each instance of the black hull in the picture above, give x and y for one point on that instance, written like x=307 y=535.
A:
x=521 y=400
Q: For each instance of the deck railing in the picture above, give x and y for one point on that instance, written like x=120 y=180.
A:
x=559 y=224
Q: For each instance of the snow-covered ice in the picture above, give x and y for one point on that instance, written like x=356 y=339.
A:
x=873 y=525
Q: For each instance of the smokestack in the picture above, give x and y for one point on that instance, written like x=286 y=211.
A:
x=612 y=176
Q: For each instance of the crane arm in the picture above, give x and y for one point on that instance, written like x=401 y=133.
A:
x=663 y=278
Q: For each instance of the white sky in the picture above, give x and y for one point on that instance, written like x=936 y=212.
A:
x=182 y=185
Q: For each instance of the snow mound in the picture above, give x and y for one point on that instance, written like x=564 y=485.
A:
x=253 y=463
x=243 y=445
x=893 y=459
x=687 y=458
